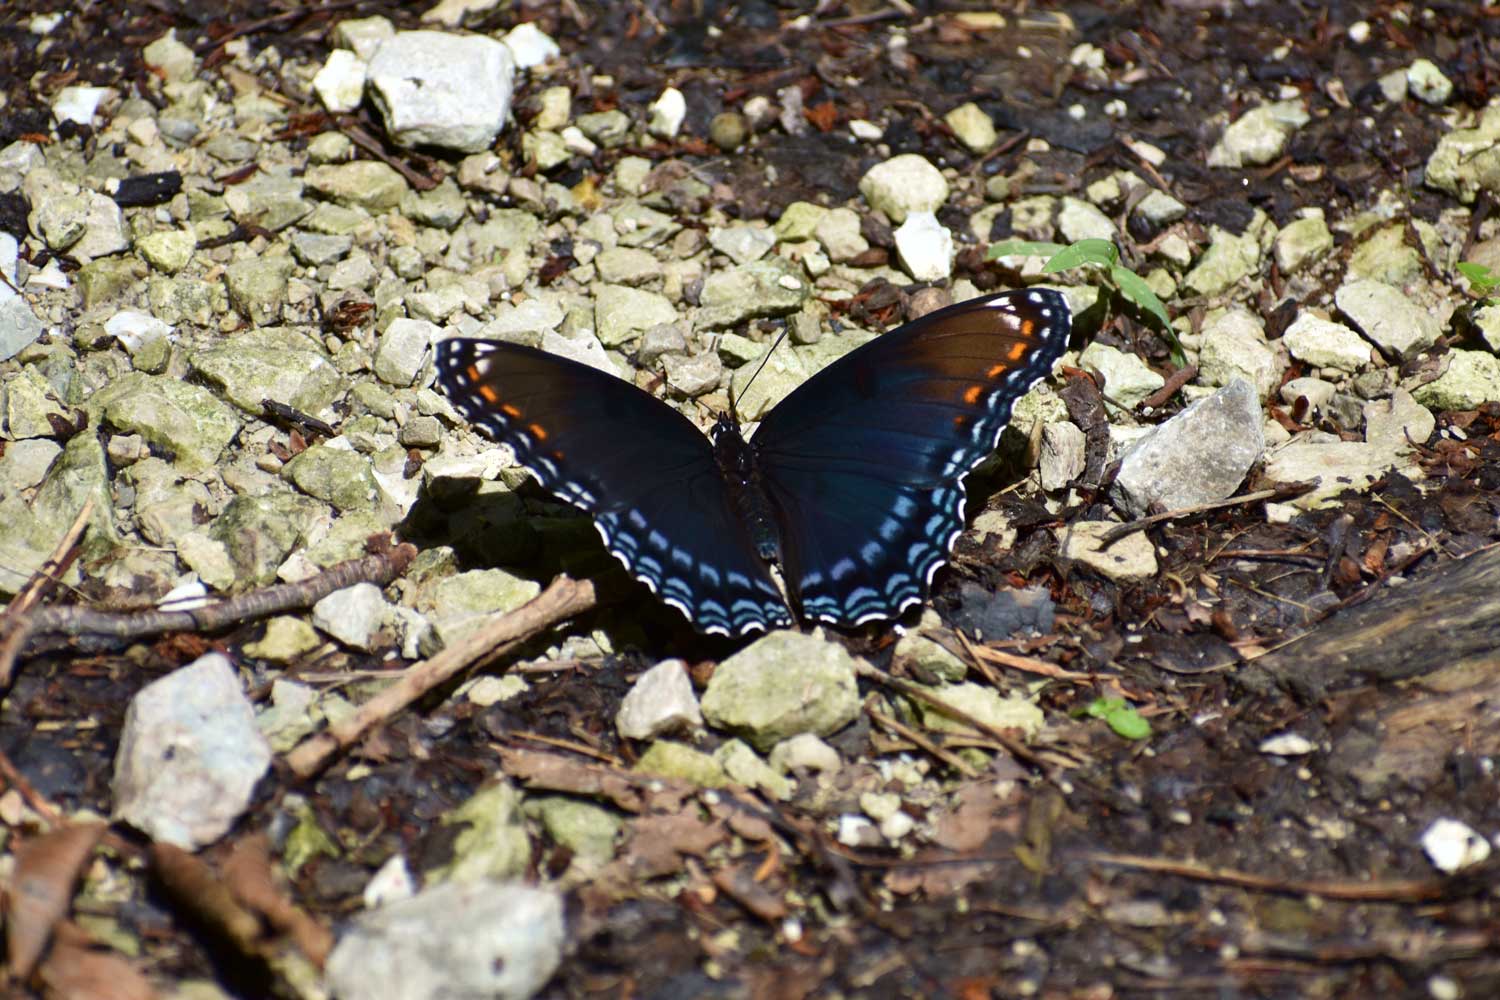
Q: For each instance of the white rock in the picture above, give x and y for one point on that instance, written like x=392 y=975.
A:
x=1130 y=558
x=78 y=104
x=1287 y=745
x=341 y=82
x=391 y=884
x=136 y=329
x=352 y=615
x=437 y=89
x=924 y=247
x=530 y=45
x=1062 y=455
x=667 y=113
x=866 y=131
x=456 y=939
x=1452 y=846
x=190 y=755
x=902 y=185
x=661 y=701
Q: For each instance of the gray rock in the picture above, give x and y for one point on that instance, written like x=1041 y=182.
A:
x=1471 y=379
x=627 y=265
x=1078 y=220
x=353 y=615
x=1062 y=455
x=1398 y=423
x=642 y=226
x=743 y=766
x=663 y=338
x=258 y=287
x=461 y=603
x=1426 y=83
x=403 y=349
x=1234 y=347
x=1467 y=160
x=270 y=200
x=1391 y=321
x=750 y=694
x=420 y=432
x=185 y=420
x=338 y=476
x=742 y=244
x=1200 y=455
x=1326 y=344
x=622 y=312
x=190 y=755
x=437 y=89
x=368 y=184
x=838 y=230
x=19 y=326
x=24 y=464
x=1130 y=558
x=1228 y=260
x=60 y=218
x=1335 y=466
x=526 y=322
x=660 y=702
x=274 y=363
x=1258 y=136
x=904 y=184
x=1127 y=379
x=316 y=249
x=769 y=287
x=1159 y=209
x=607 y=128
x=477 y=939
x=695 y=375
x=805 y=752
x=169 y=250
x=259 y=532
x=1301 y=243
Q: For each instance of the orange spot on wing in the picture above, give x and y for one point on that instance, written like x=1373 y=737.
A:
x=489 y=394
x=510 y=411
x=473 y=372
x=537 y=431
x=995 y=371
x=1017 y=352
x=972 y=394
x=1028 y=326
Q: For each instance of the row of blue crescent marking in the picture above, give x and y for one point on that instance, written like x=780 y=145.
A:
x=744 y=614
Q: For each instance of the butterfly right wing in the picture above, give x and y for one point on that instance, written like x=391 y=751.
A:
x=641 y=468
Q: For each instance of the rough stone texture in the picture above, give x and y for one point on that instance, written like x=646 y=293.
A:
x=190 y=755
x=749 y=693
x=902 y=185
x=1392 y=322
x=500 y=940
x=1130 y=558
x=184 y=420
x=1200 y=455
x=661 y=701
x=437 y=89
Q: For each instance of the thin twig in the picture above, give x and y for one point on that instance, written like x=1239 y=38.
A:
x=563 y=599
x=1120 y=531
x=1013 y=746
x=948 y=757
x=380 y=569
x=1397 y=890
x=13 y=622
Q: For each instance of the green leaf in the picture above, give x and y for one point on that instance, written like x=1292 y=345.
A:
x=1021 y=248
x=1097 y=252
x=1482 y=278
x=1128 y=724
x=1134 y=288
x=1120 y=716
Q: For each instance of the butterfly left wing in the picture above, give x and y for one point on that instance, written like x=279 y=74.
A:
x=641 y=468
x=865 y=460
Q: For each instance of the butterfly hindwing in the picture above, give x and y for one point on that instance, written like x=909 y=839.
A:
x=644 y=471
x=866 y=459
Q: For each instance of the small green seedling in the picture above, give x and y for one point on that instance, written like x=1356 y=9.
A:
x=1104 y=255
x=1481 y=279
x=1120 y=716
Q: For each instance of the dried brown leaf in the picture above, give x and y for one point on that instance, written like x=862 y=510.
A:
x=47 y=869
x=74 y=970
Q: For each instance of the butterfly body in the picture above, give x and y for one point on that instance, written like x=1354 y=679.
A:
x=851 y=487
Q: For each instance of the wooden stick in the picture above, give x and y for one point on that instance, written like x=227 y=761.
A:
x=562 y=599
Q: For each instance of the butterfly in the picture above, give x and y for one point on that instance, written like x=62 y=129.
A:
x=839 y=508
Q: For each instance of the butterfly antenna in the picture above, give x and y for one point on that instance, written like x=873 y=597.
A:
x=758 y=369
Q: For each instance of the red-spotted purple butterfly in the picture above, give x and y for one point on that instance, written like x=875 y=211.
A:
x=851 y=487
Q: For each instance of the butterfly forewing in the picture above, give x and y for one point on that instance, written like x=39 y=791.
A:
x=641 y=468
x=865 y=460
